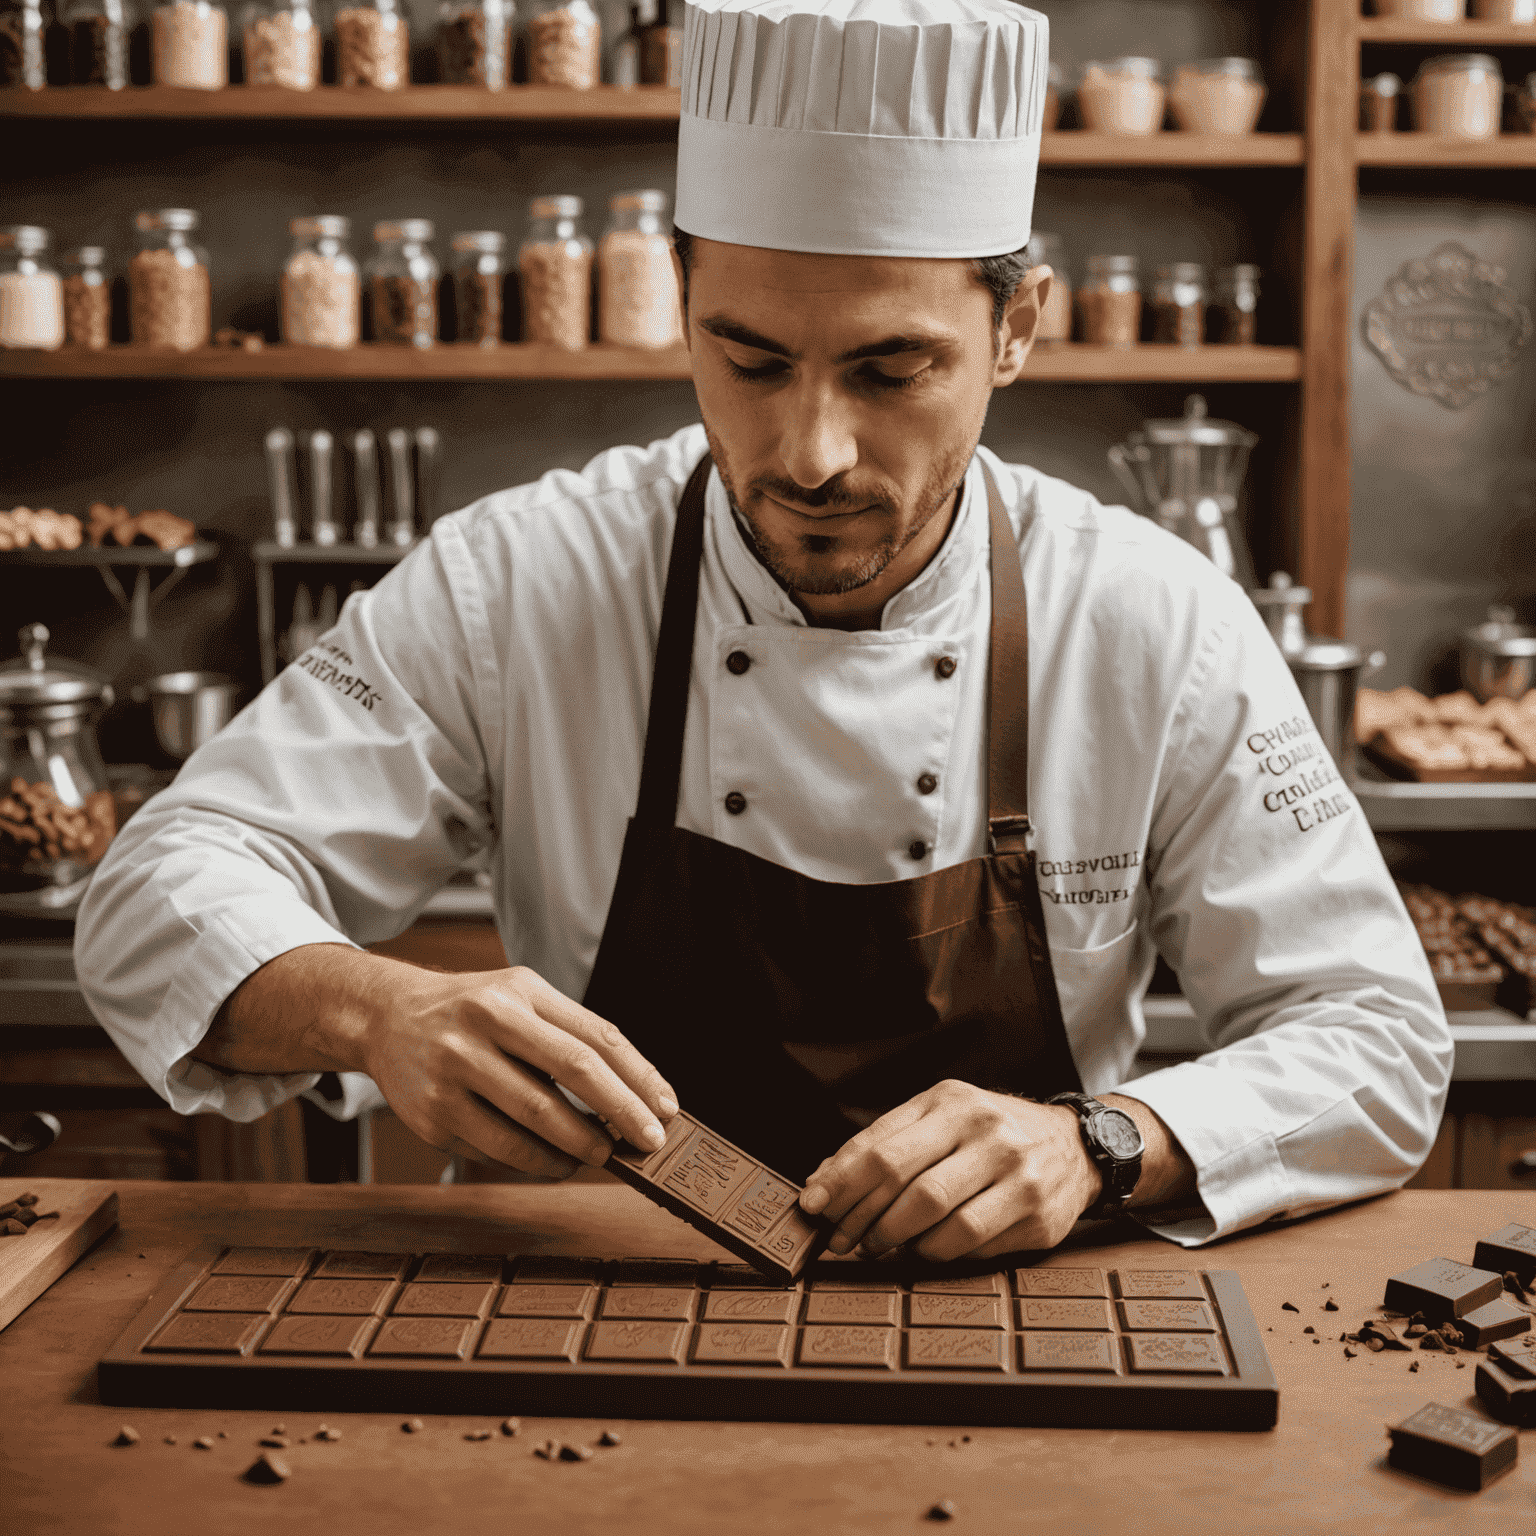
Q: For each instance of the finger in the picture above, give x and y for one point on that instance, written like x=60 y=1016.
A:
x=1032 y=1233
x=929 y=1199
x=972 y=1225
x=844 y=1178
x=489 y=1133
x=609 y=1041
x=507 y=1086
x=883 y=1172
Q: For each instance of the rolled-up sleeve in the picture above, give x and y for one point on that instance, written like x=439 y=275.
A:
x=1331 y=1055
x=328 y=812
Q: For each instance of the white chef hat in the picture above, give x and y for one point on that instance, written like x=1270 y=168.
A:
x=862 y=127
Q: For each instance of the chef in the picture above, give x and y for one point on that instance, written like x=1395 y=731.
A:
x=838 y=780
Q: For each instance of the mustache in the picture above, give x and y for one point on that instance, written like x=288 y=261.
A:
x=834 y=494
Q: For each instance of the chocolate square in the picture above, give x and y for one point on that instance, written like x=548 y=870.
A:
x=291 y=1262
x=831 y=1275
x=548 y=1301
x=349 y=1264
x=1167 y=1317
x=657 y=1272
x=742 y=1277
x=344 y=1336
x=678 y=1129
x=870 y=1308
x=1098 y=1353
x=460 y=1266
x=443 y=1300
x=707 y=1171
x=751 y=1306
x=341 y=1296
x=944 y=1309
x=1518 y=1355
x=1442 y=1290
x=1059 y=1282
x=1507 y=1394
x=238 y=1293
x=1510 y=1248
x=641 y=1343
x=655 y=1303
x=862 y=1348
x=962 y=1285
x=743 y=1344
x=433 y=1338
x=1159 y=1284
x=764 y=1201
x=1462 y=1450
x=555 y=1268
x=1493 y=1320
x=789 y=1241
x=531 y=1338
x=1063 y=1314
x=1177 y=1354
x=208 y=1333
x=956 y=1349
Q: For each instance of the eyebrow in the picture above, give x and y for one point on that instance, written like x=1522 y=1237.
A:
x=891 y=346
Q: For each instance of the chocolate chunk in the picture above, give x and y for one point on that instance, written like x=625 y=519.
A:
x=609 y=1438
x=1431 y=1341
x=1513 y=1285
x=1505 y=1390
x=323 y=1433
x=277 y=1442
x=575 y=1453
x=279 y=1429
x=268 y=1468
x=478 y=1434
x=1330 y=1305
x=943 y=1510
x=8 y=1210
x=549 y=1451
x=1285 y=1306
x=26 y=1216
x=511 y=1427
x=1494 y=1320
x=413 y=1426
x=1511 y=1248
x=1518 y=1356
x=12 y=1228
x=1349 y=1354
x=204 y=1442
x=1443 y=1289
x=1413 y=1365
x=26 y=1199
x=1415 y=1331
x=1461 y=1450
x=1309 y=1329
x=1375 y=1345
x=170 y=1439
x=127 y=1435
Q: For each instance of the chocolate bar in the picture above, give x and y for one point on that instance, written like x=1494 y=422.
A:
x=1461 y=1450
x=1493 y=1320
x=846 y=1342
x=1442 y=1290
x=1510 y=1248
x=1506 y=1382
x=727 y=1195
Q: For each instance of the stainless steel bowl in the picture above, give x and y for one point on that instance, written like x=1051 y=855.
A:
x=190 y=708
x=1498 y=657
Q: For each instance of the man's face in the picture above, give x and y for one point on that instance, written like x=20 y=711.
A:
x=843 y=397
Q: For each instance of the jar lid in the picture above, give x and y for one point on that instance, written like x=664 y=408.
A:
x=1243 y=69
x=33 y=679
x=1107 y=265
x=404 y=229
x=648 y=201
x=333 y=226
x=1143 y=69
x=1499 y=635
x=1385 y=85
x=1183 y=272
x=487 y=241
x=556 y=206
x=181 y=220
x=1461 y=64
x=1196 y=427
x=1321 y=654
x=29 y=239
x=87 y=256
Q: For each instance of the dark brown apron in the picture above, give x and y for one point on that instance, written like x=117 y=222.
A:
x=718 y=964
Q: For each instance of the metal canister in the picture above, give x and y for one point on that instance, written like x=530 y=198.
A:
x=1498 y=657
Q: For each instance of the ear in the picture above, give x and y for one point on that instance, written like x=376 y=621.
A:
x=1016 y=333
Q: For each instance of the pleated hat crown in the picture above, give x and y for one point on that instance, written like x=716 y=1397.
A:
x=862 y=127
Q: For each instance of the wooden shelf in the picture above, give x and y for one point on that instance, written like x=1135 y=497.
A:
x=1452 y=34
x=1173 y=149
x=197 y=553
x=1510 y=151
x=1072 y=363
x=270 y=552
x=534 y=103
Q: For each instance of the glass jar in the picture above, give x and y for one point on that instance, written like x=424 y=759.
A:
x=170 y=299
x=1054 y=81
x=1460 y=95
x=1423 y=10
x=1378 y=103
x=1179 y=297
x=1233 y=318
x=1110 y=302
x=1222 y=96
x=57 y=814
x=373 y=45
x=565 y=44
x=661 y=49
x=1525 y=104
x=321 y=289
x=31 y=296
x=637 y=298
x=23 y=35
x=1056 y=313
x=191 y=44
x=282 y=44
x=473 y=42
x=554 y=264
x=1519 y=11
x=479 y=275
x=1122 y=96
x=98 y=42
x=402 y=284
x=87 y=299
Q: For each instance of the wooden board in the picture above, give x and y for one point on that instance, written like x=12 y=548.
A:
x=29 y=1265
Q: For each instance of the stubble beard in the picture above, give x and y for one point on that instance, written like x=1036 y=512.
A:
x=857 y=569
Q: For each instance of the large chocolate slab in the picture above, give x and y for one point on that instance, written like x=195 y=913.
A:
x=854 y=1342
x=1510 y=1248
x=1442 y=1290
x=1461 y=1450
x=749 y=1209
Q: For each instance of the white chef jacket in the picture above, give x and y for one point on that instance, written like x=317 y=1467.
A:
x=490 y=694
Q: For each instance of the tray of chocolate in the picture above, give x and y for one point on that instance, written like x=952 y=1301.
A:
x=668 y=1338
x=1482 y=951
x=1452 y=739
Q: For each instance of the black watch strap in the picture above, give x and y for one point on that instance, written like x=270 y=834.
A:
x=1119 y=1163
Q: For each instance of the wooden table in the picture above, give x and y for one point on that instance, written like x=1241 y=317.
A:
x=1322 y=1469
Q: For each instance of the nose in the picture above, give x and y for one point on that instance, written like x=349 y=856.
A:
x=818 y=440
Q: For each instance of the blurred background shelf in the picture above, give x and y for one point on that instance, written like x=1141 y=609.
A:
x=196 y=553
x=1403 y=807
x=1511 y=151
x=1076 y=362
x=1173 y=149
x=269 y=552
x=1447 y=34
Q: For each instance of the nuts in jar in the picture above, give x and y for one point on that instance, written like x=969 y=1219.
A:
x=555 y=266
x=565 y=46
x=1222 y=96
x=402 y=284
x=373 y=46
x=87 y=299
x=191 y=44
x=282 y=45
x=1233 y=317
x=321 y=291
x=638 y=303
x=1122 y=96
x=477 y=286
x=1110 y=302
x=1460 y=95
x=1178 y=304
x=37 y=827
x=170 y=298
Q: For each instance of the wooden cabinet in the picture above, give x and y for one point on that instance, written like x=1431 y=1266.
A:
x=1492 y=1148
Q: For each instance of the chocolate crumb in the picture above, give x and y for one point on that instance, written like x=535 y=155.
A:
x=1514 y=1285
x=413 y=1426
x=279 y=1429
x=548 y=1451
x=1309 y=1329
x=1413 y=1365
x=26 y=1199
x=143 y=1255
x=1375 y=1345
x=170 y=1439
x=575 y=1453
x=268 y=1468
x=943 y=1510
x=277 y=1442
x=1326 y=1284
x=609 y=1438
x=965 y=1439
x=204 y=1442
x=127 y=1435
x=326 y=1433
x=12 y=1228
x=478 y=1434
x=1431 y=1341
x=1415 y=1331
x=512 y=1426
x=1285 y=1306
x=1330 y=1305
x=222 y=1435
x=1461 y=1365
x=1349 y=1354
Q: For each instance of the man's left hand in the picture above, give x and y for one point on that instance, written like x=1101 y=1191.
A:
x=957 y=1172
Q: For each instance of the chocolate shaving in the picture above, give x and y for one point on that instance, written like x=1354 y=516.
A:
x=478 y=1434
x=1330 y=1305
x=204 y=1442
x=327 y=1433
x=609 y=1438
x=512 y=1426
x=1349 y=1354
x=413 y=1426
x=268 y=1468
x=277 y=1442
x=127 y=1435
x=1309 y=1329
x=1285 y=1306
x=943 y=1510
x=575 y=1453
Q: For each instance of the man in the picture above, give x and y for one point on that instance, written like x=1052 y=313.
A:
x=850 y=777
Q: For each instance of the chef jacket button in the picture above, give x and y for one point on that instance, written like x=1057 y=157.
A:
x=919 y=850
x=738 y=662
x=735 y=802
x=945 y=666
x=927 y=783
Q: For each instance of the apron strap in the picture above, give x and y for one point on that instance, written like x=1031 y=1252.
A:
x=1008 y=682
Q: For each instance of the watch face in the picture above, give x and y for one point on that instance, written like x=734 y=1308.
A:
x=1117 y=1134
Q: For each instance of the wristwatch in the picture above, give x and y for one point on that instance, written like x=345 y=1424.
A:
x=1115 y=1145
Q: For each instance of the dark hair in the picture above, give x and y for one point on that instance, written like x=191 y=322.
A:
x=1000 y=274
